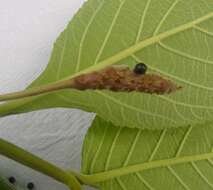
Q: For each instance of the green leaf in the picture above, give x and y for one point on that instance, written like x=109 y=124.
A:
x=5 y=185
x=174 y=38
x=129 y=159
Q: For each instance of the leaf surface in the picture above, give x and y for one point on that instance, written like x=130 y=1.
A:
x=128 y=159
x=174 y=38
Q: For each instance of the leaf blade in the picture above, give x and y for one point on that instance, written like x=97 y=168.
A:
x=147 y=159
x=115 y=32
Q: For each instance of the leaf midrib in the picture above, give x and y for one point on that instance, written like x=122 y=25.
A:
x=138 y=46
x=104 y=176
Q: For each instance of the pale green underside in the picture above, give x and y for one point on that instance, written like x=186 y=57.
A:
x=107 y=147
x=173 y=37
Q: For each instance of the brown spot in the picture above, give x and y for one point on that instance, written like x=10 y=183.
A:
x=124 y=80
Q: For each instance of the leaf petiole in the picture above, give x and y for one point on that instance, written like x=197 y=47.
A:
x=37 y=91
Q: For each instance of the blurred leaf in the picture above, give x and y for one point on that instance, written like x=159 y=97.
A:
x=5 y=185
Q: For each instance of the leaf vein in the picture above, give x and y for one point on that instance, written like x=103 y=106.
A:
x=195 y=115
x=183 y=117
x=133 y=147
x=174 y=173
x=98 y=151
x=175 y=51
x=158 y=144
x=165 y=17
x=142 y=21
x=210 y=162
x=134 y=108
x=112 y=148
x=203 y=30
x=109 y=32
x=144 y=181
x=121 y=184
x=185 y=104
x=201 y=174
x=85 y=34
x=62 y=56
x=184 y=141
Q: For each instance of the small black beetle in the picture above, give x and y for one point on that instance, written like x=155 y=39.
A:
x=140 y=69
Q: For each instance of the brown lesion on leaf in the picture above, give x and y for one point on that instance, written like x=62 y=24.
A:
x=123 y=79
x=118 y=79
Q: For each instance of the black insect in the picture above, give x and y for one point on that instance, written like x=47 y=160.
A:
x=12 y=179
x=140 y=69
x=30 y=185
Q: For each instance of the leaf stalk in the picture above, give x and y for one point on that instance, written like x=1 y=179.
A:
x=37 y=90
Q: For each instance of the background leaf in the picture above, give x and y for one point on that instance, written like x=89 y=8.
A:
x=109 y=148
x=5 y=185
x=174 y=38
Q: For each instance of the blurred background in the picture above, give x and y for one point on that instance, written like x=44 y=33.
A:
x=28 y=30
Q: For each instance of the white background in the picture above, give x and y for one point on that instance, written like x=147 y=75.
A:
x=28 y=29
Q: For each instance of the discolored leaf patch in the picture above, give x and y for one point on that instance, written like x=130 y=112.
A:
x=123 y=79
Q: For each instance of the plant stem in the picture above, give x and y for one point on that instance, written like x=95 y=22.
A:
x=38 y=91
x=15 y=153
